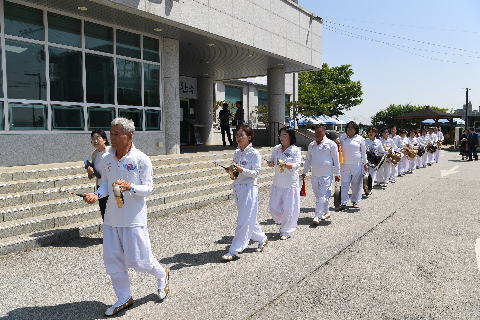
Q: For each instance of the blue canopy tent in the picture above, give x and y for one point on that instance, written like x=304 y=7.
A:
x=326 y=119
x=304 y=120
x=456 y=121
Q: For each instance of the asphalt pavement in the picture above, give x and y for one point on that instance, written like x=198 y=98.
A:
x=408 y=252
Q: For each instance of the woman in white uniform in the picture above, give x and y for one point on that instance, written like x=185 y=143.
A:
x=245 y=191
x=374 y=145
x=285 y=192
x=354 y=165
x=385 y=171
x=403 y=143
x=101 y=144
x=413 y=142
x=396 y=139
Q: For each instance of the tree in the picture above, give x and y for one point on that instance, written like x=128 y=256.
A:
x=329 y=91
x=385 y=117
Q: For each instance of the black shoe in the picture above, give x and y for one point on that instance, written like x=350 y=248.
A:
x=224 y=144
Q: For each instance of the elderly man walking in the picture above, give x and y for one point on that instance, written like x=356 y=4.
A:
x=128 y=180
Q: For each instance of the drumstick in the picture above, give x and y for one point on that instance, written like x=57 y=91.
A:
x=220 y=165
x=76 y=194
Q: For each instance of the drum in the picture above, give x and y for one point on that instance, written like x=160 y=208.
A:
x=421 y=152
x=374 y=161
x=367 y=183
x=412 y=153
x=337 y=194
x=431 y=148
x=395 y=157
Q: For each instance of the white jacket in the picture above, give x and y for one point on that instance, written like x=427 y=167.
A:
x=135 y=168
x=289 y=177
x=323 y=158
x=353 y=150
x=249 y=159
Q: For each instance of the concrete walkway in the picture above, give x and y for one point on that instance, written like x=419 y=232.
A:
x=408 y=252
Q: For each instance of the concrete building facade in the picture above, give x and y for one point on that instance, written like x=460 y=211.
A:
x=69 y=67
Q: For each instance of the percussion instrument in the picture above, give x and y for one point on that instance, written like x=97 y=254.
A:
x=395 y=157
x=280 y=164
x=421 y=151
x=412 y=153
x=118 y=195
x=439 y=144
x=431 y=148
x=76 y=194
x=233 y=175
x=374 y=161
x=337 y=194
x=367 y=183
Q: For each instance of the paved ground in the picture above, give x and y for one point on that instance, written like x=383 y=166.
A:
x=407 y=253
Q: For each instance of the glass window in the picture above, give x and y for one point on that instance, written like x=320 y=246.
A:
x=150 y=49
x=287 y=111
x=22 y=21
x=232 y=95
x=128 y=44
x=64 y=30
x=1 y=77
x=65 y=75
x=262 y=98
x=152 y=119
x=133 y=114
x=151 y=85
x=2 y=119
x=98 y=37
x=129 y=82
x=100 y=118
x=25 y=70
x=28 y=116
x=67 y=118
x=100 y=79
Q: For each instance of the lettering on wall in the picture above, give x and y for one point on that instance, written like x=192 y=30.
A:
x=188 y=87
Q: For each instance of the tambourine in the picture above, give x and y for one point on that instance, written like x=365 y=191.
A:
x=233 y=175
x=280 y=164
x=367 y=183
x=118 y=195
x=337 y=194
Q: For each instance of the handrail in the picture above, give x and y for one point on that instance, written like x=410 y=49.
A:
x=267 y=123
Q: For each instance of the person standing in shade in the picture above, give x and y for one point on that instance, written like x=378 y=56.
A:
x=464 y=145
x=440 y=138
x=224 y=115
x=245 y=191
x=472 y=144
x=285 y=193
x=322 y=156
x=126 y=242
x=354 y=165
x=239 y=118
x=101 y=144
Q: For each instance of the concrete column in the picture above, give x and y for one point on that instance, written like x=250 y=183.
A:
x=276 y=102
x=276 y=94
x=205 y=108
x=171 y=98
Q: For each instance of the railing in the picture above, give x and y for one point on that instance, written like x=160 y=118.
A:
x=272 y=129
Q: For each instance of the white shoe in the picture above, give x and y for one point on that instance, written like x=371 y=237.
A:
x=162 y=293
x=118 y=306
x=262 y=246
x=283 y=237
x=229 y=256
x=393 y=181
x=316 y=220
x=384 y=185
x=326 y=216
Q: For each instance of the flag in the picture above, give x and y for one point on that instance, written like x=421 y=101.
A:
x=340 y=156
x=303 y=190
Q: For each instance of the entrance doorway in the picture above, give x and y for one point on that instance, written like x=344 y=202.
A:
x=187 y=111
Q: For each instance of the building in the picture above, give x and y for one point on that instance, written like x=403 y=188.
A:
x=69 y=67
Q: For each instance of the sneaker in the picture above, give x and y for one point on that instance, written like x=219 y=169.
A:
x=355 y=205
x=316 y=220
x=118 y=306
x=393 y=181
x=384 y=185
x=262 y=246
x=343 y=207
x=162 y=293
x=326 y=216
x=283 y=237
x=229 y=256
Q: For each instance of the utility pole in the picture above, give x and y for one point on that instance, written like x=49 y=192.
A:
x=466 y=109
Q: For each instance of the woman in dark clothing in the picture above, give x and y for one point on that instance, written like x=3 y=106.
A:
x=464 y=145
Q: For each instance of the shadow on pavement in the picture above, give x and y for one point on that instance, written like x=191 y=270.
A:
x=182 y=260
x=84 y=310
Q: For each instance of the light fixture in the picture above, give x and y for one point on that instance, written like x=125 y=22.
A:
x=207 y=62
x=158 y=29
x=250 y=55
x=280 y=64
x=210 y=44
x=205 y=74
x=82 y=8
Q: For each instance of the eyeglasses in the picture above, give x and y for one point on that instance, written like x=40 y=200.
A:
x=283 y=135
x=238 y=137
x=97 y=139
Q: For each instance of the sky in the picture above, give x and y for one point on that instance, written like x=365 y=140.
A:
x=421 y=52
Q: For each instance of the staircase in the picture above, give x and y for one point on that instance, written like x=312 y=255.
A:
x=33 y=212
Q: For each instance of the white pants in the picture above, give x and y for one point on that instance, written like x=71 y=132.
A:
x=437 y=155
x=373 y=174
x=285 y=208
x=384 y=173
x=430 y=157
x=322 y=189
x=424 y=159
x=129 y=247
x=413 y=164
x=419 y=161
x=246 y=198
x=394 y=172
x=352 y=176
x=403 y=165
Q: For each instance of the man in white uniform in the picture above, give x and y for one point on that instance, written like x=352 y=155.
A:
x=322 y=156
x=440 y=138
x=126 y=242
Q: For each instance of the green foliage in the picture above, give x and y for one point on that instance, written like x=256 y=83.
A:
x=262 y=113
x=329 y=91
x=385 y=117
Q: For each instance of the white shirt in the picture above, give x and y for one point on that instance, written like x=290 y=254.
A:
x=439 y=135
x=375 y=145
x=413 y=142
x=323 y=158
x=135 y=168
x=353 y=149
x=422 y=141
x=289 y=177
x=402 y=142
x=250 y=160
x=98 y=165
x=389 y=143
x=396 y=139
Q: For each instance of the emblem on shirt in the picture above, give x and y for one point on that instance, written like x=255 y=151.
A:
x=287 y=154
x=243 y=163
x=129 y=166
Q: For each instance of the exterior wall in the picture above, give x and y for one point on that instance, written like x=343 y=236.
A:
x=280 y=27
